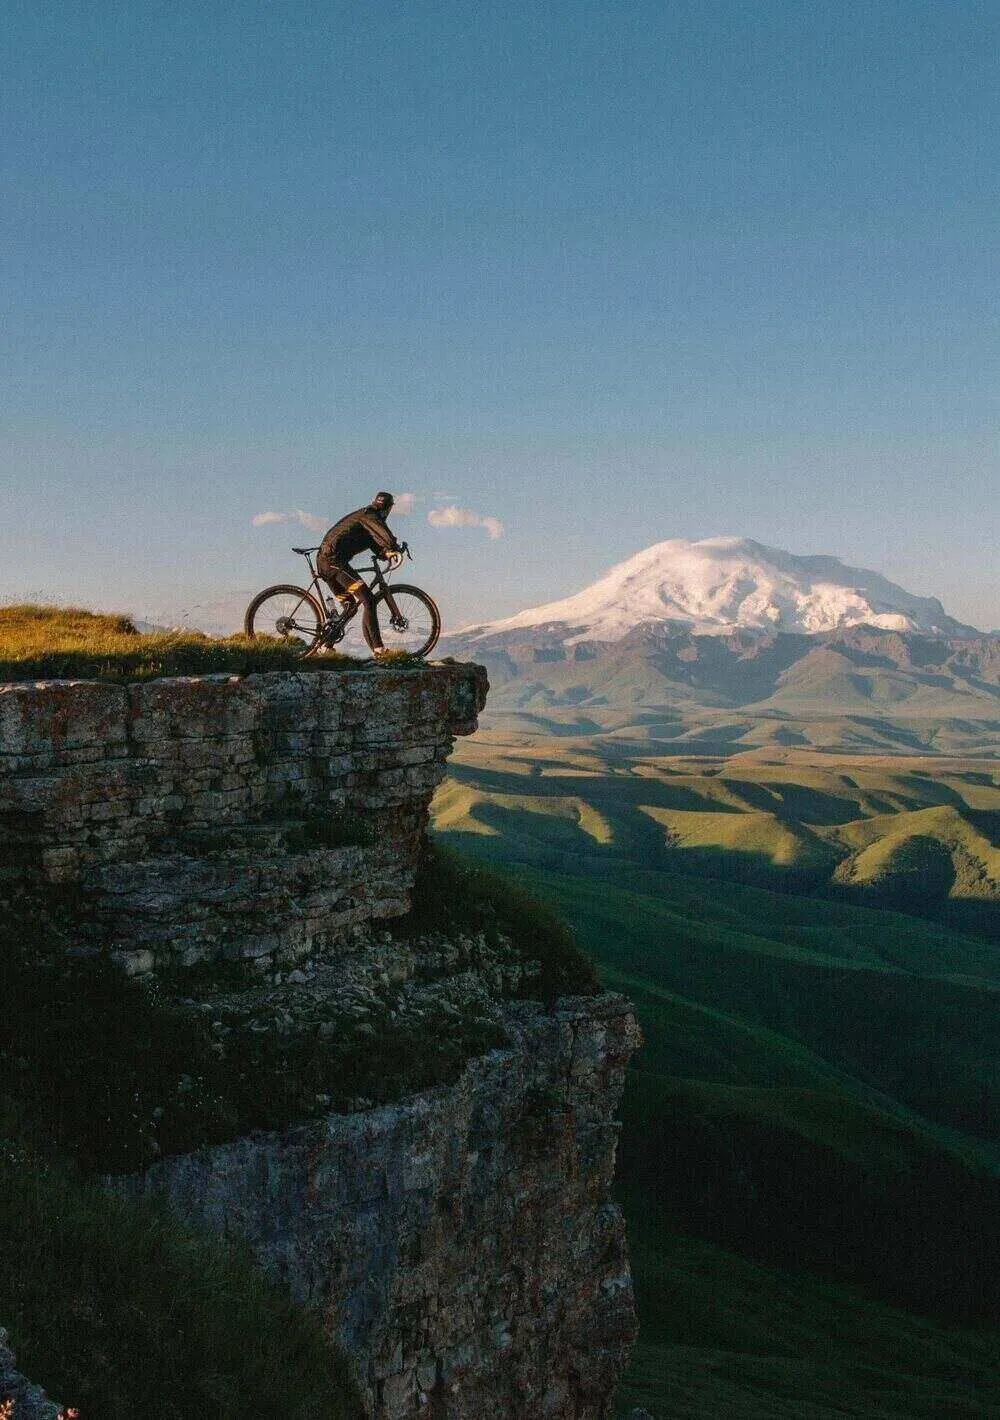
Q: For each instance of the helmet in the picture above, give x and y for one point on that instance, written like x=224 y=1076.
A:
x=382 y=503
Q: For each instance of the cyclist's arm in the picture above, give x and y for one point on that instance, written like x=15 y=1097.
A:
x=383 y=542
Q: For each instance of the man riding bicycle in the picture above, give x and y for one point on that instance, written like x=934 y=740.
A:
x=362 y=531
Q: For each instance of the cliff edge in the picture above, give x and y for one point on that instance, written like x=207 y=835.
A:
x=249 y=848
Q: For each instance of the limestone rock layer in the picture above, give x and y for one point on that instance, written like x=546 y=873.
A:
x=462 y=1246
x=228 y=817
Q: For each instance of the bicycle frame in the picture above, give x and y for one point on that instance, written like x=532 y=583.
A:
x=327 y=598
x=319 y=618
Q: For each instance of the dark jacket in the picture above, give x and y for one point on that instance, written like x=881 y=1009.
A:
x=362 y=531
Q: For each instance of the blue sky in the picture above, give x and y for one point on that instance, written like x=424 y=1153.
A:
x=607 y=273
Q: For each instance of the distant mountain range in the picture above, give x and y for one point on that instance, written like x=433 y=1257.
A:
x=722 y=584
x=858 y=671
x=729 y=624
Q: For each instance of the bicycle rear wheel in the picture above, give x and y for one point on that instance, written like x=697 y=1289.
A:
x=289 y=614
x=415 y=625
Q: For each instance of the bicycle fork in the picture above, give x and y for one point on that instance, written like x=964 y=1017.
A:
x=398 y=620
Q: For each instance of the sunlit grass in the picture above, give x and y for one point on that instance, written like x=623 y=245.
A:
x=70 y=643
x=880 y=842
x=920 y=835
x=395 y=656
x=763 y=834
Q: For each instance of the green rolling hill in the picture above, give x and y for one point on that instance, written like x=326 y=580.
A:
x=819 y=1093
x=916 y=832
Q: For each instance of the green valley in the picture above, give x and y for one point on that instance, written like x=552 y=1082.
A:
x=811 y=1153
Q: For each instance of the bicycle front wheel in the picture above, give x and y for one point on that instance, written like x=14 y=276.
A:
x=410 y=622
x=289 y=614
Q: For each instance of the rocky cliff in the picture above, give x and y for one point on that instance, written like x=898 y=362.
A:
x=242 y=818
x=460 y=1243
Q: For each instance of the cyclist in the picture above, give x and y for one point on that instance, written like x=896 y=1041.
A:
x=362 y=531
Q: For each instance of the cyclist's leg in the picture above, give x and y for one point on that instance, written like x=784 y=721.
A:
x=370 y=625
x=346 y=583
x=340 y=579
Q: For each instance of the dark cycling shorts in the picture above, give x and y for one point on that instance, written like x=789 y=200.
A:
x=342 y=577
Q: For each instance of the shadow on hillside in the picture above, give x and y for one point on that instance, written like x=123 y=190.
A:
x=922 y=1236
x=609 y=793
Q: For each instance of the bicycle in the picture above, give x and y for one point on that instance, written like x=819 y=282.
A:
x=408 y=618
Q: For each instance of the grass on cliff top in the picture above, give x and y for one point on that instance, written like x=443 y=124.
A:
x=68 y=643
x=119 y=1311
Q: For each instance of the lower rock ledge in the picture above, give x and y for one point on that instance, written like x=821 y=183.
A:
x=462 y=1245
x=19 y=1399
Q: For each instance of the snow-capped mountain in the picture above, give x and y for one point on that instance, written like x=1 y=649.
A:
x=721 y=584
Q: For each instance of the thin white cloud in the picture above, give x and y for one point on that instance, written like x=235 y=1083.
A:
x=452 y=517
x=404 y=504
x=308 y=520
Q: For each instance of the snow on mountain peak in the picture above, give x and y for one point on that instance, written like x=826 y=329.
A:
x=719 y=584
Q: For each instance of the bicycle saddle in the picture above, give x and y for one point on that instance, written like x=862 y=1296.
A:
x=304 y=550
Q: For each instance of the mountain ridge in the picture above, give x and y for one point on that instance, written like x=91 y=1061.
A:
x=721 y=584
x=859 y=671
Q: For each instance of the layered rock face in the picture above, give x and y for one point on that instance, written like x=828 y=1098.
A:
x=461 y=1246
x=228 y=817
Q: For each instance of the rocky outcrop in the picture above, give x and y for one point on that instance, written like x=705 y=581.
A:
x=19 y=1399
x=462 y=1246
x=248 y=818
